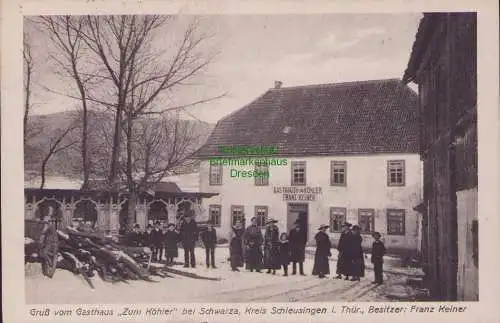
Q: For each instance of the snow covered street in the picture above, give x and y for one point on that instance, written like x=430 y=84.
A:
x=214 y=285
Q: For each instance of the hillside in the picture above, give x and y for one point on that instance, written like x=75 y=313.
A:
x=45 y=128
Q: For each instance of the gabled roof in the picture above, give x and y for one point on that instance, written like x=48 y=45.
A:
x=377 y=116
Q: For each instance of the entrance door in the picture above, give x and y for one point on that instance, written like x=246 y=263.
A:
x=298 y=211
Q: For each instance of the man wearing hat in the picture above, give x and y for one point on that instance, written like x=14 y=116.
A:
x=156 y=240
x=147 y=237
x=189 y=235
x=343 y=247
x=323 y=245
x=253 y=243
x=271 y=247
x=209 y=238
x=297 y=239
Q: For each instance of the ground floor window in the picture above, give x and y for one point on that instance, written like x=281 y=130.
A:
x=337 y=218
x=215 y=215
x=366 y=220
x=237 y=214
x=396 y=222
x=261 y=215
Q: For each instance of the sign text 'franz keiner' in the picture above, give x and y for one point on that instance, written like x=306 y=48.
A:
x=293 y=193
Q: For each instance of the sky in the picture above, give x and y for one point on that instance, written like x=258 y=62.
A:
x=254 y=51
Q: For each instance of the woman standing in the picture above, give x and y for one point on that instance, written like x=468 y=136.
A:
x=171 y=238
x=271 y=247
x=284 y=252
x=357 y=256
x=323 y=245
x=236 y=248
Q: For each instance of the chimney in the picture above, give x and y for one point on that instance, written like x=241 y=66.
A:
x=277 y=84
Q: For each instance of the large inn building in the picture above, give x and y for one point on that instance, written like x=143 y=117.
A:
x=351 y=153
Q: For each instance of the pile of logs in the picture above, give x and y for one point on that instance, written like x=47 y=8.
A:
x=88 y=254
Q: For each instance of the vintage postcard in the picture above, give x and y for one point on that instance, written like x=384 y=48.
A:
x=249 y=161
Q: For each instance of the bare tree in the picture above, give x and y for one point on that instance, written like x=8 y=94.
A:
x=64 y=34
x=56 y=145
x=28 y=81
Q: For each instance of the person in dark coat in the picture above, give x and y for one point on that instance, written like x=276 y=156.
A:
x=134 y=237
x=253 y=240
x=209 y=238
x=357 y=260
x=323 y=245
x=171 y=239
x=377 y=259
x=298 y=240
x=157 y=241
x=271 y=247
x=147 y=237
x=284 y=252
x=189 y=235
x=343 y=246
x=236 y=248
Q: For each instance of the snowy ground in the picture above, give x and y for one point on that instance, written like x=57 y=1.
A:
x=243 y=286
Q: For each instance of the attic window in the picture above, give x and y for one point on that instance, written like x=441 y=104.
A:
x=287 y=129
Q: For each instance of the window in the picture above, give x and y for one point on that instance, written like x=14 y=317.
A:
x=215 y=174
x=261 y=215
x=337 y=218
x=236 y=214
x=338 y=173
x=214 y=215
x=261 y=180
x=396 y=173
x=396 y=222
x=298 y=173
x=366 y=220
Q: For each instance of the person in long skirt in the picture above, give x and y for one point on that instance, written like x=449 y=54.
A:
x=343 y=259
x=357 y=255
x=323 y=245
x=236 y=248
x=298 y=240
x=271 y=247
x=171 y=238
x=253 y=240
x=284 y=252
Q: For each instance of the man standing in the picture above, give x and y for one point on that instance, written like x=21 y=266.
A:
x=134 y=238
x=343 y=259
x=253 y=243
x=157 y=240
x=297 y=239
x=209 y=238
x=189 y=234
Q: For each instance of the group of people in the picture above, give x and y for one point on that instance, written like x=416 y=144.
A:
x=271 y=251
x=164 y=241
x=350 y=262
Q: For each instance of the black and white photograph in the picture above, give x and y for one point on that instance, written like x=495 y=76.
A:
x=248 y=158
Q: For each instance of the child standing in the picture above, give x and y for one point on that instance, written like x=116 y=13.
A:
x=378 y=252
x=284 y=252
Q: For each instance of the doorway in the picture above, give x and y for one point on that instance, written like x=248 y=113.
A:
x=298 y=212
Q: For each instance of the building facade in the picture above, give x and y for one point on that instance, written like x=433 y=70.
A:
x=343 y=152
x=443 y=64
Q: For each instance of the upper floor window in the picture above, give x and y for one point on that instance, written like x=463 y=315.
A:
x=215 y=174
x=366 y=220
x=338 y=173
x=215 y=215
x=396 y=173
x=337 y=218
x=298 y=173
x=261 y=168
x=396 y=222
x=237 y=214
x=261 y=215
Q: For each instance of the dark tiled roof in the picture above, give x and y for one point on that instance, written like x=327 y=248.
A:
x=378 y=116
